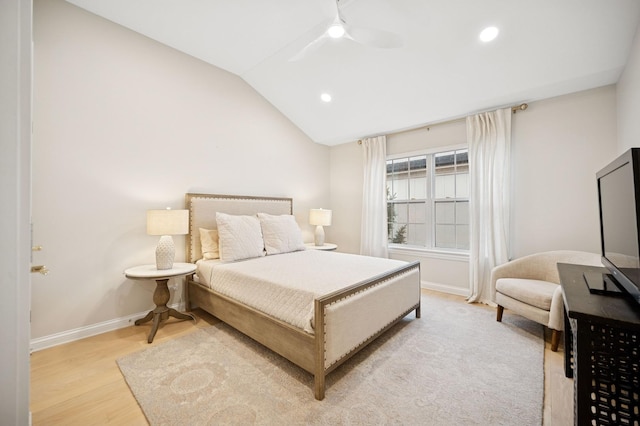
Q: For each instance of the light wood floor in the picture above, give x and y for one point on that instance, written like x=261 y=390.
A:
x=79 y=383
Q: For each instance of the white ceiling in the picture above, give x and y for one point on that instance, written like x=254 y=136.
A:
x=545 y=48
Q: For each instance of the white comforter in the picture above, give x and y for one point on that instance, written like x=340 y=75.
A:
x=285 y=285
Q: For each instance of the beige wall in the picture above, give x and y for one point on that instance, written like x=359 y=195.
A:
x=347 y=177
x=438 y=135
x=628 y=91
x=558 y=145
x=124 y=124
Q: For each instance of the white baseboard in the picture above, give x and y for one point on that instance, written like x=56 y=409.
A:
x=68 y=336
x=445 y=288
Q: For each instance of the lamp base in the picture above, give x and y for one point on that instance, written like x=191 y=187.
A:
x=165 y=253
x=319 y=236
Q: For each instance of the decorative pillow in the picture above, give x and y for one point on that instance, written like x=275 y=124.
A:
x=281 y=233
x=209 y=243
x=239 y=237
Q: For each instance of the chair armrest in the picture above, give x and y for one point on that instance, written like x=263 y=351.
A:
x=526 y=267
x=556 y=311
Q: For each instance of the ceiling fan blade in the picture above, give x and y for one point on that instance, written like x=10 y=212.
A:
x=374 y=38
x=323 y=31
x=330 y=8
x=309 y=48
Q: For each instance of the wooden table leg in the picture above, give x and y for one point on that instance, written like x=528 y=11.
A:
x=181 y=315
x=148 y=317
x=156 y=323
x=161 y=312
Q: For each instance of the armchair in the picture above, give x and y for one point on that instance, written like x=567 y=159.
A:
x=529 y=286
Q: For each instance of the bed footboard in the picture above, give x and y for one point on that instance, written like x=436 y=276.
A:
x=345 y=321
x=348 y=320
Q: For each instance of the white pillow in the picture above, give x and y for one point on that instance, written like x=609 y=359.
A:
x=281 y=233
x=239 y=237
x=209 y=243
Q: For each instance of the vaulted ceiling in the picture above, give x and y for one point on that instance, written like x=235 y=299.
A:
x=442 y=70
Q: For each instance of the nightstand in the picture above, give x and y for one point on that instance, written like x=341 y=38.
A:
x=161 y=294
x=325 y=246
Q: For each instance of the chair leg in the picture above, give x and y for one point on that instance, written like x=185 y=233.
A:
x=499 y=313
x=555 y=339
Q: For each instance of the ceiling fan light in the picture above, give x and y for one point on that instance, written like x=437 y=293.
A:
x=489 y=34
x=336 y=31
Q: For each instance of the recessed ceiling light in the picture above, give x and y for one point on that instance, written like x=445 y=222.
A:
x=325 y=97
x=489 y=34
x=336 y=31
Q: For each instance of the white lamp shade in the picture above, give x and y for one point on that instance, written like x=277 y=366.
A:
x=320 y=217
x=167 y=222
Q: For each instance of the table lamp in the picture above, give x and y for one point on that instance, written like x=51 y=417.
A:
x=167 y=223
x=320 y=218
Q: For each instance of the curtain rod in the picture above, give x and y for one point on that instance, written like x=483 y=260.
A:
x=515 y=109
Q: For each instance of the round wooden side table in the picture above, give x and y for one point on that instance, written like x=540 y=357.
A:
x=161 y=294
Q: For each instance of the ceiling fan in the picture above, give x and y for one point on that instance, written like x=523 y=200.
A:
x=338 y=28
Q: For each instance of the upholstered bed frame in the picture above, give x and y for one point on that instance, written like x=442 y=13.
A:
x=334 y=340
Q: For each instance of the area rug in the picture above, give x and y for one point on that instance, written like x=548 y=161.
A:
x=454 y=366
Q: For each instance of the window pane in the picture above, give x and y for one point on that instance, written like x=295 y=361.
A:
x=445 y=236
x=462 y=234
x=417 y=213
x=401 y=213
x=445 y=162
x=462 y=185
x=399 y=234
x=445 y=186
x=400 y=165
x=391 y=212
x=418 y=163
x=416 y=234
x=462 y=212
x=445 y=212
x=417 y=177
x=462 y=160
x=418 y=188
x=400 y=189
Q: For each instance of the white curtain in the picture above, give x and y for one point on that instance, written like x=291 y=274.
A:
x=373 y=239
x=489 y=138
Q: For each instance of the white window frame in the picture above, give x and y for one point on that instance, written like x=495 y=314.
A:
x=451 y=253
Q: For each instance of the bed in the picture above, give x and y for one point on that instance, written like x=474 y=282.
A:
x=349 y=304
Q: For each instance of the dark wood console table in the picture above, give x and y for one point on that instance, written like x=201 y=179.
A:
x=602 y=351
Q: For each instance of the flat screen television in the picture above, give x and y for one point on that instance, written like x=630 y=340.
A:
x=619 y=201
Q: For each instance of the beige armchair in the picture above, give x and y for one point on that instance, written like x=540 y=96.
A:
x=529 y=286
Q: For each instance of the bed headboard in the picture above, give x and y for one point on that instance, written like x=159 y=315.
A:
x=203 y=207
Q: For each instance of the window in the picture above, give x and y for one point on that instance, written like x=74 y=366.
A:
x=428 y=200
